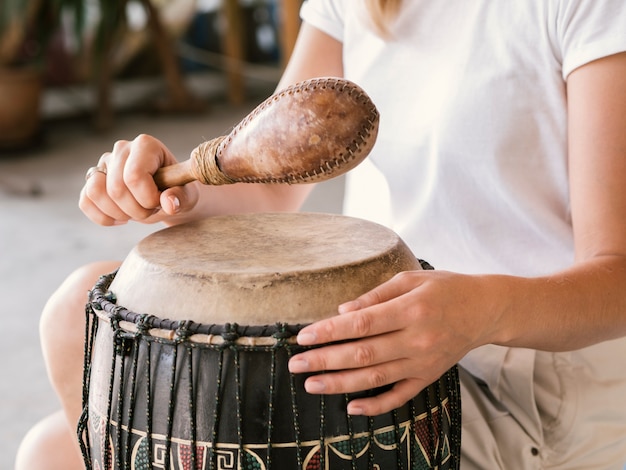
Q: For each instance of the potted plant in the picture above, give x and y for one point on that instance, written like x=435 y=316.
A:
x=26 y=27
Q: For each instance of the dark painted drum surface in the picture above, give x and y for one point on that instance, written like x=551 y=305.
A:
x=179 y=394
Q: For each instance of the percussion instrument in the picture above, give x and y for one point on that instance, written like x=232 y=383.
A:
x=187 y=347
x=311 y=131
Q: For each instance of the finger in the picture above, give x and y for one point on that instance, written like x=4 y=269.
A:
x=394 y=287
x=179 y=199
x=355 y=354
x=94 y=199
x=147 y=155
x=96 y=214
x=401 y=392
x=380 y=317
x=387 y=401
x=353 y=325
x=119 y=186
x=356 y=380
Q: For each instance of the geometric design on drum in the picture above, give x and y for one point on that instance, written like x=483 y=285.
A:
x=226 y=459
x=313 y=461
x=344 y=447
x=428 y=444
x=412 y=439
x=252 y=461
x=387 y=440
x=98 y=434
x=142 y=458
x=185 y=457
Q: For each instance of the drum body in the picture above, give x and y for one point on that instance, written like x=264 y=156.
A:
x=207 y=386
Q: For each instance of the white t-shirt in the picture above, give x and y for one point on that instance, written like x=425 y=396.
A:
x=471 y=163
x=473 y=127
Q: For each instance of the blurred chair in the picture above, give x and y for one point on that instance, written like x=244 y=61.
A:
x=288 y=26
x=159 y=32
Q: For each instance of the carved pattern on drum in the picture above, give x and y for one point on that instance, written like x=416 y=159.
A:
x=185 y=457
x=226 y=460
x=160 y=455
x=141 y=458
x=415 y=444
x=98 y=440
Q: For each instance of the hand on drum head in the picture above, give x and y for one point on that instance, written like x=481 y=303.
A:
x=122 y=188
x=408 y=332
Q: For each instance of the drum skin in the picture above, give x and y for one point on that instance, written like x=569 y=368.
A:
x=255 y=269
x=194 y=393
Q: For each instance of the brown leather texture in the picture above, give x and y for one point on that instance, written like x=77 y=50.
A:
x=314 y=130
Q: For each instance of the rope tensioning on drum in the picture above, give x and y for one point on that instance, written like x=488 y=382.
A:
x=132 y=398
x=128 y=329
x=282 y=337
x=82 y=429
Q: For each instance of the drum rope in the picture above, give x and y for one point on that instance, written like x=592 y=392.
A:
x=132 y=398
x=349 y=423
x=295 y=412
x=438 y=451
x=322 y=431
x=170 y=406
x=282 y=335
x=192 y=407
x=119 y=353
x=107 y=433
x=149 y=398
x=230 y=338
x=270 y=411
x=412 y=447
x=182 y=335
x=432 y=447
x=216 y=408
x=370 y=449
x=91 y=325
x=396 y=430
x=454 y=393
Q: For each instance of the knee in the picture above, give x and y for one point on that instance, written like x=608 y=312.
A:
x=50 y=445
x=62 y=323
x=66 y=306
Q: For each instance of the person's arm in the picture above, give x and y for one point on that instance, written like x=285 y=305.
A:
x=413 y=328
x=586 y=304
x=128 y=192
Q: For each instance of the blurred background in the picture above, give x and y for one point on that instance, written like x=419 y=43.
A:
x=77 y=75
x=88 y=48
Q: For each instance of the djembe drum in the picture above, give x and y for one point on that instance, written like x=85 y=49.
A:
x=187 y=347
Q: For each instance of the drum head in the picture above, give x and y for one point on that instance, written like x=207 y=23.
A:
x=259 y=268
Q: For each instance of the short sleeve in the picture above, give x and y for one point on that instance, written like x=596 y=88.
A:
x=326 y=15
x=590 y=29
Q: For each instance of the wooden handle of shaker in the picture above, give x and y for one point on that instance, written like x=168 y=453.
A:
x=311 y=131
x=178 y=174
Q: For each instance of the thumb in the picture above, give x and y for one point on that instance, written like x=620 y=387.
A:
x=179 y=199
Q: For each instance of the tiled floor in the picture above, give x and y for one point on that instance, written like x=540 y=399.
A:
x=44 y=236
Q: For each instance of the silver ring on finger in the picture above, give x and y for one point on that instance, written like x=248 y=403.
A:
x=95 y=169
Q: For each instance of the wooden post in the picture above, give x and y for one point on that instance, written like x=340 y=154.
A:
x=180 y=99
x=234 y=50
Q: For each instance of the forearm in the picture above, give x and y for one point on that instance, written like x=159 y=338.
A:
x=577 y=307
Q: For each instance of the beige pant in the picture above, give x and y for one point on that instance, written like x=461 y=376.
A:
x=525 y=409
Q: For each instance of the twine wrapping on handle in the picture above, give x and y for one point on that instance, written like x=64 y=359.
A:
x=204 y=163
